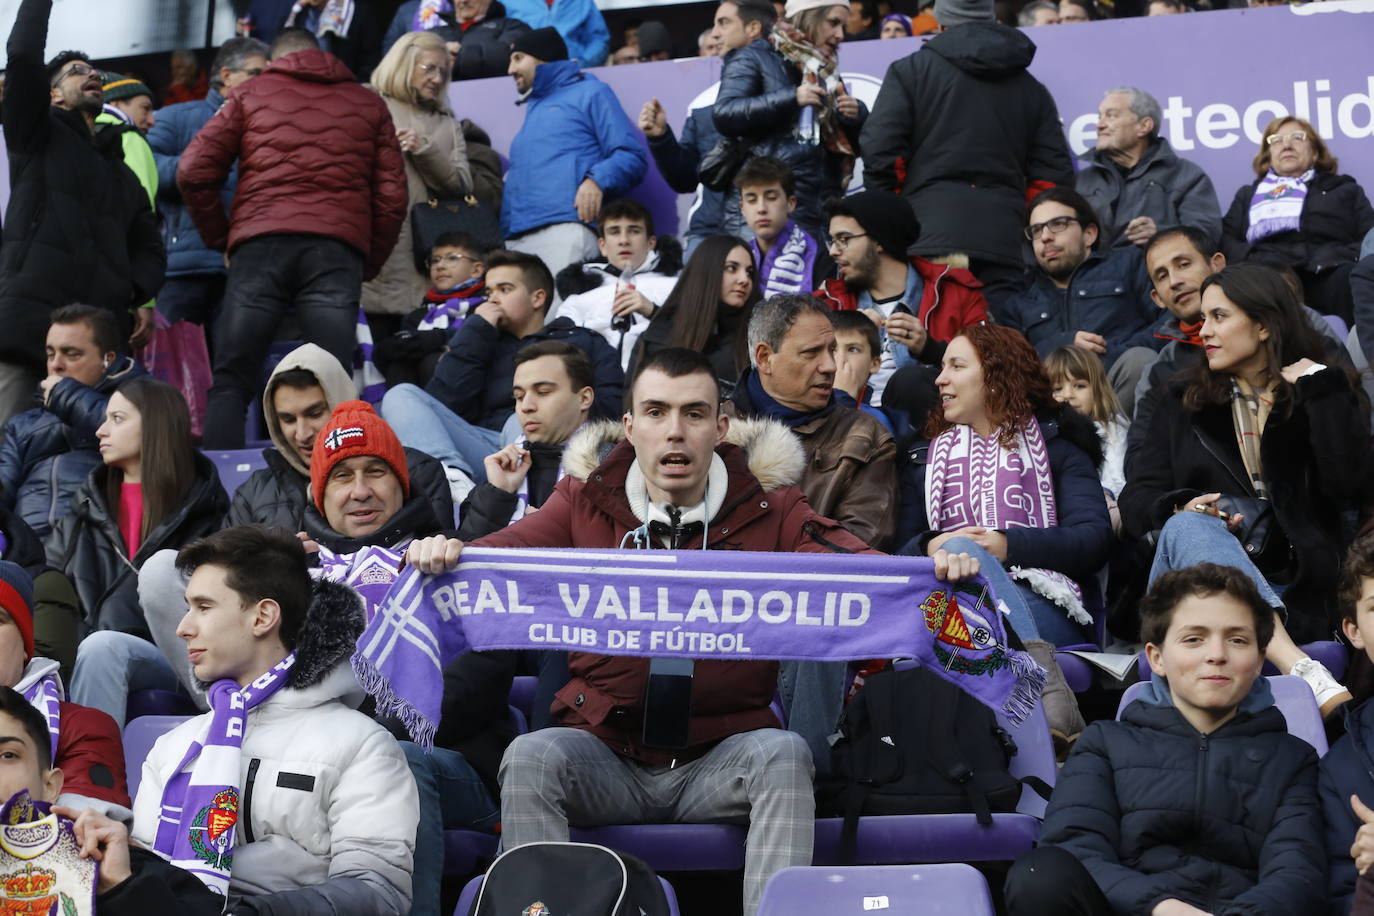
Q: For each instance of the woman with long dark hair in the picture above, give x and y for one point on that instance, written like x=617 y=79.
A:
x=1253 y=458
x=154 y=491
x=708 y=309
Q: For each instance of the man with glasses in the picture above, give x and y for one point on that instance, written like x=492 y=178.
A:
x=195 y=274
x=1085 y=297
x=78 y=227
x=917 y=305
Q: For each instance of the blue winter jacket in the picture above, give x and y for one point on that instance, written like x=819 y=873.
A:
x=49 y=451
x=1109 y=294
x=578 y=21
x=176 y=126
x=574 y=129
x=1346 y=770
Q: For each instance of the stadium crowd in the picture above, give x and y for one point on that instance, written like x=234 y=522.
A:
x=1078 y=379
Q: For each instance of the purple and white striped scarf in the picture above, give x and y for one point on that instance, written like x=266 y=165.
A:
x=42 y=687
x=371 y=384
x=975 y=482
x=369 y=572
x=790 y=263
x=1277 y=205
x=200 y=806
x=429 y=15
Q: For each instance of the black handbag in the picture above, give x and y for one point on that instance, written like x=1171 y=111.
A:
x=720 y=166
x=1257 y=527
x=432 y=218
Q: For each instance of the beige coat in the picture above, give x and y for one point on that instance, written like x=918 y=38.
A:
x=439 y=168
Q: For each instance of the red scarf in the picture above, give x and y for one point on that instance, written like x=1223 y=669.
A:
x=1192 y=331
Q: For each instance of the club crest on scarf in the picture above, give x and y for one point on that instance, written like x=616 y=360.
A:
x=535 y=909
x=964 y=640
x=212 y=829
x=41 y=873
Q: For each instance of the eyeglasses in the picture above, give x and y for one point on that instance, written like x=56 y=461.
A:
x=251 y=71
x=450 y=260
x=842 y=241
x=1056 y=226
x=1296 y=136
x=77 y=70
x=429 y=69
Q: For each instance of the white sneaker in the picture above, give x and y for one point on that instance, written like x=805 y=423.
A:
x=1330 y=693
x=460 y=485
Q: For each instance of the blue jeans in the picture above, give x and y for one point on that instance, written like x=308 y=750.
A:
x=110 y=665
x=422 y=422
x=1033 y=616
x=451 y=795
x=1191 y=537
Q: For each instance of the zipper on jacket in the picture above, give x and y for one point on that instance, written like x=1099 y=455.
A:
x=52 y=494
x=813 y=531
x=246 y=802
x=936 y=304
x=1201 y=776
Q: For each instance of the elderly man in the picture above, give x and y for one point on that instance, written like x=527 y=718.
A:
x=478 y=33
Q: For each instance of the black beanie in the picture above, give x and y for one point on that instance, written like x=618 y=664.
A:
x=545 y=44
x=887 y=218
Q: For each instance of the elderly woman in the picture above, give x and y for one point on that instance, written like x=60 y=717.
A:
x=413 y=80
x=1299 y=213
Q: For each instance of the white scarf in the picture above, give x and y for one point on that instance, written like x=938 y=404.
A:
x=637 y=492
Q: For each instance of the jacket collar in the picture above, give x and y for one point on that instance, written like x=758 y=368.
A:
x=551 y=76
x=414 y=519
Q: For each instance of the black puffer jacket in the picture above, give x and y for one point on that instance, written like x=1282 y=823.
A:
x=962 y=129
x=276 y=495
x=87 y=546
x=1227 y=822
x=79 y=227
x=758 y=101
x=1346 y=770
x=1336 y=215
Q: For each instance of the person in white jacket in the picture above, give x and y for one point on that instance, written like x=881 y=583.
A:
x=326 y=805
x=618 y=297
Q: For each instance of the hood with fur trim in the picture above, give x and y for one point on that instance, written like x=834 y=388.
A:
x=776 y=456
x=328 y=634
x=336 y=381
x=588 y=275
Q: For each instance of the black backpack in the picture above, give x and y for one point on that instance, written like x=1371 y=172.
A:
x=569 y=879
x=913 y=743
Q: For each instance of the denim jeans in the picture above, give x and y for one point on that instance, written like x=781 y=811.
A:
x=110 y=665
x=321 y=278
x=422 y=422
x=451 y=795
x=1191 y=537
x=1033 y=616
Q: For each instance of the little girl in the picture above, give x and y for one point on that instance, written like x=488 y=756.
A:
x=1080 y=380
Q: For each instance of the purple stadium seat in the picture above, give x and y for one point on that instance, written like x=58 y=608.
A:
x=469 y=896
x=139 y=737
x=1338 y=325
x=158 y=703
x=236 y=466
x=1078 y=674
x=673 y=847
x=1293 y=698
x=522 y=694
x=912 y=890
x=468 y=851
x=1330 y=653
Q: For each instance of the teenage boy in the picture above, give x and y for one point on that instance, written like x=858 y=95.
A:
x=457 y=286
x=618 y=296
x=789 y=259
x=1198 y=800
x=320 y=805
x=858 y=354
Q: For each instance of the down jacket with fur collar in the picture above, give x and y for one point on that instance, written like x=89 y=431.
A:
x=329 y=808
x=762 y=510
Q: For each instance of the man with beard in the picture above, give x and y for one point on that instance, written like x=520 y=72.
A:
x=1084 y=297
x=917 y=305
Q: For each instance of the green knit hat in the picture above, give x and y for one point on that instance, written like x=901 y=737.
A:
x=118 y=86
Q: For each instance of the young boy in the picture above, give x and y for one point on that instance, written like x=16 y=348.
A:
x=858 y=354
x=456 y=274
x=789 y=259
x=1347 y=771
x=1198 y=800
x=617 y=297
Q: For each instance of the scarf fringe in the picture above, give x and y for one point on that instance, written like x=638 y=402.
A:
x=391 y=703
x=1030 y=683
x=1054 y=589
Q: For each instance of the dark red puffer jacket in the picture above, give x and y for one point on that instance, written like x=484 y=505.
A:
x=317 y=155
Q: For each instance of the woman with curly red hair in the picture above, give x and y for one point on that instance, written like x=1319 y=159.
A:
x=1008 y=476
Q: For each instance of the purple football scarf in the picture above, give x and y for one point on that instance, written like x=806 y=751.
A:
x=200 y=806
x=366 y=375
x=446 y=310
x=429 y=15
x=972 y=481
x=42 y=687
x=789 y=264
x=41 y=870
x=726 y=604
x=1277 y=204
x=369 y=572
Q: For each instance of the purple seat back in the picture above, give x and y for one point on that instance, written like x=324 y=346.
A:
x=912 y=890
x=469 y=896
x=236 y=466
x=153 y=702
x=1293 y=698
x=522 y=694
x=139 y=737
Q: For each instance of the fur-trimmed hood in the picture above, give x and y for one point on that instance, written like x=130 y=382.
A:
x=585 y=276
x=328 y=635
x=776 y=456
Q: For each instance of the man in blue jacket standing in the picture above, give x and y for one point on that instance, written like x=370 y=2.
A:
x=553 y=189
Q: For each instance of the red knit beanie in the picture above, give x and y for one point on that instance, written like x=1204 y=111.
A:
x=355 y=429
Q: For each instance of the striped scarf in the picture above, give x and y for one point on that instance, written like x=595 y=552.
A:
x=369 y=379
x=1249 y=412
x=42 y=687
x=430 y=15
x=1277 y=205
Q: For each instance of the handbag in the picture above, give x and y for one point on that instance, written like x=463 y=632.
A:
x=432 y=218
x=177 y=354
x=1257 y=527
x=722 y=163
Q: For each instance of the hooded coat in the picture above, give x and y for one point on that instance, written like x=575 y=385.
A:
x=963 y=131
x=329 y=808
x=277 y=495
x=762 y=510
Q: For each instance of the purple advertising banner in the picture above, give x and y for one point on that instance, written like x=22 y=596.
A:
x=1219 y=76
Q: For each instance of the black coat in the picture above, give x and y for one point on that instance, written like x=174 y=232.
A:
x=1227 y=822
x=415 y=519
x=971 y=129
x=1317 y=464
x=1346 y=770
x=758 y=102
x=485 y=46
x=157 y=886
x=475 y=716
x=1336 y=215
x=79 y=227
x=87 y=546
